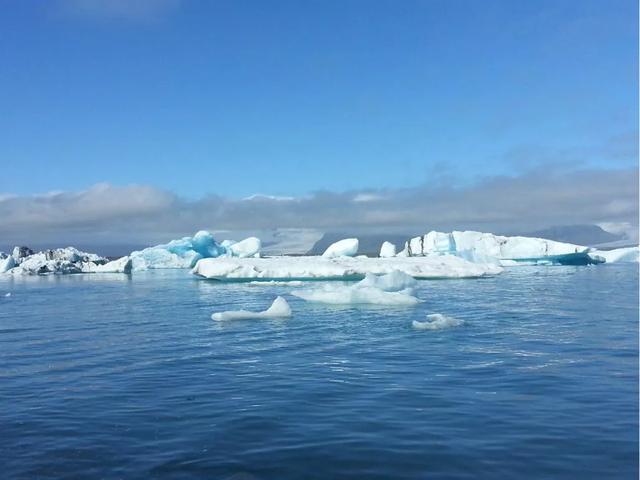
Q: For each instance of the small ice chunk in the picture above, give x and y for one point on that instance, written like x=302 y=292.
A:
x=278 y=309
x=437 y=321
x=387 y=250
x=8 y=294
x=347 y=247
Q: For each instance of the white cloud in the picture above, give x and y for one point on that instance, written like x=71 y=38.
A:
x=111 y=214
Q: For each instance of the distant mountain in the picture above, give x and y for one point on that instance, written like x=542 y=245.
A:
x=588 y=235
x=369 y=244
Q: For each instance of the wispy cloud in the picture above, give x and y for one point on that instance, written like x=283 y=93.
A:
x=131 y=10
x=107 y=214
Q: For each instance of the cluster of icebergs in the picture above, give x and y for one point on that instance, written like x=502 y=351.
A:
x=23 y=260
x=434 y=255
x=391 y=289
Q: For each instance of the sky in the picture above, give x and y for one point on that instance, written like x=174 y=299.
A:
x=165 y=116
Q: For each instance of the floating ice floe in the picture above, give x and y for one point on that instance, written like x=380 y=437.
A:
x=437 y=321
x=342 y=248
x=23 y=261
x=507 y=251
x=395 y=288
x=387 y=250
x=278 y=309
x=338 y=268
x=276 y=283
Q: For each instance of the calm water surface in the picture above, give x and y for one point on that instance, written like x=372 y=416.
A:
x=108 y=376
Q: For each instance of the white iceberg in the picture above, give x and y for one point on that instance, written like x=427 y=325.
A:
x=347 y=247
x=437 y=321
x=338 y=268
x=6 y=263
x=619 y=255
x=387 y=250
x=121 y=265
x=490 y=248
x=23 y=261
x=394 y=288
x=278 y=309
x=248 y=247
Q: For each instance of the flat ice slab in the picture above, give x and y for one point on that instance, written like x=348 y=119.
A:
x=339 y=268
x=395 y=288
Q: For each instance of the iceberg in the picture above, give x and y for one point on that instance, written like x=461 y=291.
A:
x=490 y=248
x=347 y=247
x=249 y=247
x=394 y=288
x=338 y=268
x=437 y=321
x=181 y=253
x=23 y=261
x=186 y=251
x=387 y=250
x=6 y=263
x=278 y=309
x=619 y=255
x=121 y=265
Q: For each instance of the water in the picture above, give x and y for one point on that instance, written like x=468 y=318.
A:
x=106 y=376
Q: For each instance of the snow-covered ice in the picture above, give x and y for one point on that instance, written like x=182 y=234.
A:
x=437 y=321
x=338 y=268
x=387 y=250
x=394 y=288
x=347 y=247
x=278 y=309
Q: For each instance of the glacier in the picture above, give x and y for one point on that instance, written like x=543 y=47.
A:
x=278 y=309
x=347 y=247
x=338 y=268
x=394 y=288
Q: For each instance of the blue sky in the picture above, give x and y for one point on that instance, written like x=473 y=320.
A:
x=289 y=97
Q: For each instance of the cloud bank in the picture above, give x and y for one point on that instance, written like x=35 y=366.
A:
x=106 y=214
